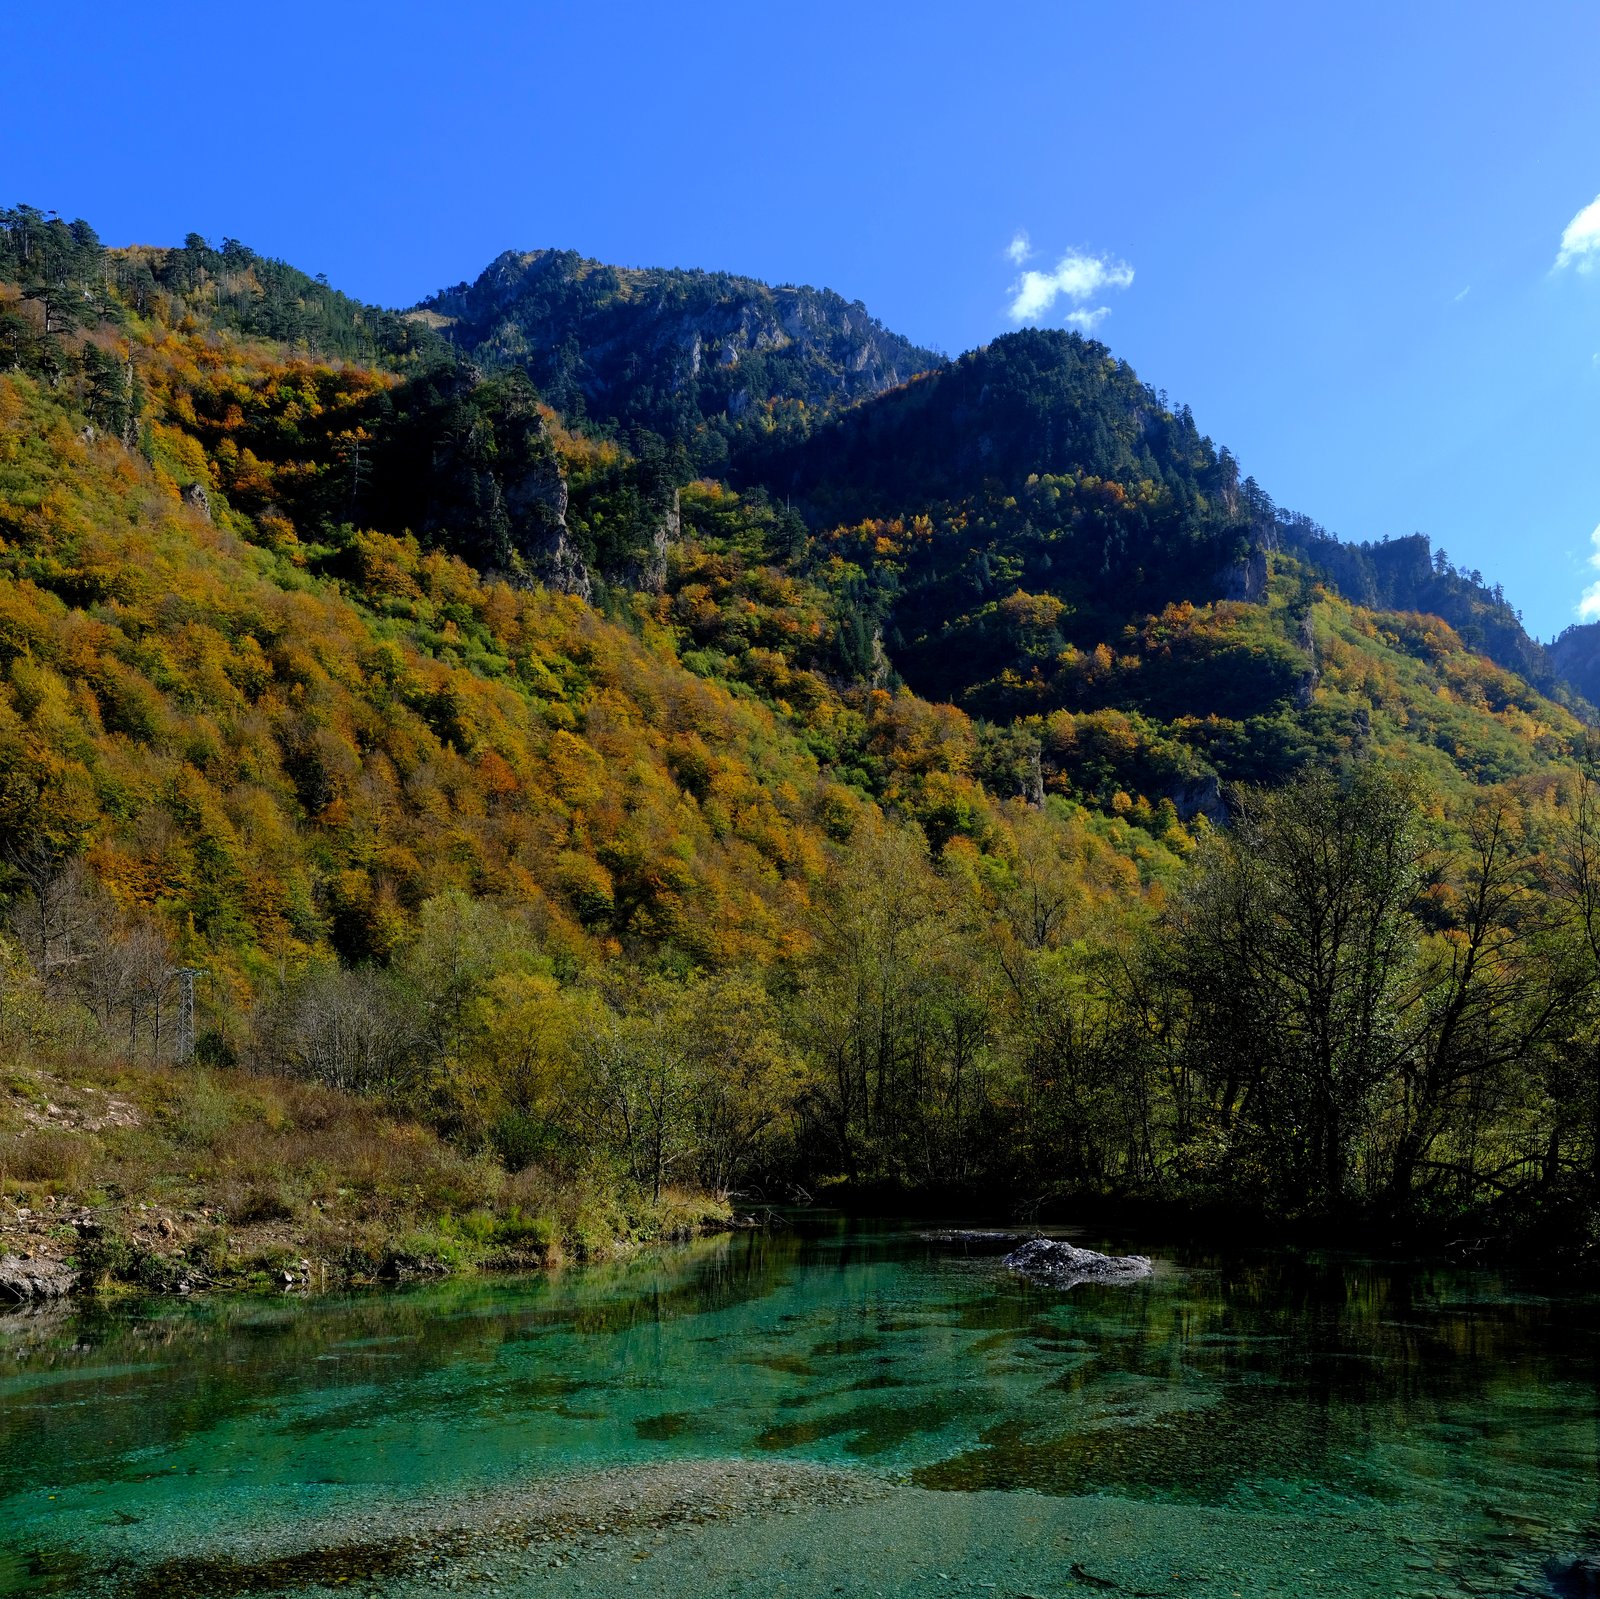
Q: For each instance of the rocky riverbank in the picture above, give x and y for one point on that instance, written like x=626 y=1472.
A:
x=167 y=1182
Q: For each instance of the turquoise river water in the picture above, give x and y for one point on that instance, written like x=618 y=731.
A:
x=837 y=1409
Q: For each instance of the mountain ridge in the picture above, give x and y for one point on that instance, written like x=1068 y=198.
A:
x=768 y=447
x=293 y=304
x=672 y=348
x=984 y=529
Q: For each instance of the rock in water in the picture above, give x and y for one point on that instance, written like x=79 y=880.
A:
x=23 y=1281
x=1048 y=1260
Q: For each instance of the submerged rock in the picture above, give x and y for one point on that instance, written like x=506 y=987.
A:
x=1049 y=1260
x=24 y=1281
x=1575 y=1579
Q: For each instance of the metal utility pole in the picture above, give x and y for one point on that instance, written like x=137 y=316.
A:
x=186 y=977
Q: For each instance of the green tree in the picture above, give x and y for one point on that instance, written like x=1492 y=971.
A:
x=1297 y=947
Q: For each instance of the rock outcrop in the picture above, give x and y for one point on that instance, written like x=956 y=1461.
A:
x=540 y=489
x=649 y=572
x=1245 y=579
x=26 y=1281
x=536 y=503
x=481 y=475
x=1199 y=796
x=198 y=498
x=1061 y=1265
x=1575 y=656
x=561 y=567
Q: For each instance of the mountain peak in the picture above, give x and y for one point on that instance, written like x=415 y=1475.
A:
x=700 y=357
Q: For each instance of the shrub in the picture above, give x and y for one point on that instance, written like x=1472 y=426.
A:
x=201 y=1110
x=262 y=1202
x=521 y=1140
x=47 y=1155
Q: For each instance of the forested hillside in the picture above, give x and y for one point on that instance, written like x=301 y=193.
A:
x=647 y=786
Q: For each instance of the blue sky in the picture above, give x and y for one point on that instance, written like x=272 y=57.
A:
x=1334 y=230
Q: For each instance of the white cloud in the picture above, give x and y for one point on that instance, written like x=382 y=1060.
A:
x=1463 y=294
x=1086 y=319
x=1077 y=277
x=1020 y=247
x=1589 y=605
x=1580 y=239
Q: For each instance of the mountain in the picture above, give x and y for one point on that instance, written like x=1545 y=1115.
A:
x=1028 y=534
x=1017 y=573
x=704 y=359
x=1039 y=401
x=773 y=384
x=278 y=665
x=1153 y=511
x=858 y=807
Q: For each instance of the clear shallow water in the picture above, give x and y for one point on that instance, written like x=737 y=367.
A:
x=1266 y=1424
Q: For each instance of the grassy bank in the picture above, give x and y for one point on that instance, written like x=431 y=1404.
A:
x=179 y=1180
